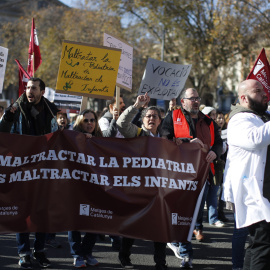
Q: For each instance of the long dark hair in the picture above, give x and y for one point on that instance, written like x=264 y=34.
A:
x=78 y=123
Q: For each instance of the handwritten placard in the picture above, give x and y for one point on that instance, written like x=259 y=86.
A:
x=88 y=70
x=163 y=80
x=124 y=76
x=3 y=64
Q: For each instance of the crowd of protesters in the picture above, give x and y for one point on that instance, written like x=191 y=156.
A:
x=33 y=114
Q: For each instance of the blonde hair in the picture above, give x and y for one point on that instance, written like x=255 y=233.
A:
x=79 y=120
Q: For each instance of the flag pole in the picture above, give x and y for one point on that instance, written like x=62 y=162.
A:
x=33 y=64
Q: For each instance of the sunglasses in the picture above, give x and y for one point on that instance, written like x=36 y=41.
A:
x=92 y=120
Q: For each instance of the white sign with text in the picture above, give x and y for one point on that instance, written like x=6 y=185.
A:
x=3 y=64
x=124 y=76
x=163 y=80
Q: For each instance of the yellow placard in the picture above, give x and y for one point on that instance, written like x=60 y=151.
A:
x=87 y=70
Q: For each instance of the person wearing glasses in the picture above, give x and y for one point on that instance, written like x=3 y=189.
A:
x=189 y=125
x=81 y=249
x=151 y=119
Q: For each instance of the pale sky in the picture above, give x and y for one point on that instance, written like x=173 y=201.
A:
x=67 y=2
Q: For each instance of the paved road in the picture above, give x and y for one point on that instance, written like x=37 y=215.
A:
x=212 y=254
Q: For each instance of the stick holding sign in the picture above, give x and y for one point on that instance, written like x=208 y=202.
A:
x=163 y=80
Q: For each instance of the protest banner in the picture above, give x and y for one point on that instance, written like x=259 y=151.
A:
x=261 y=72
x=3 y=64
x=163 y=80
x=130 y=187
x=124 y=76
x=88 y=70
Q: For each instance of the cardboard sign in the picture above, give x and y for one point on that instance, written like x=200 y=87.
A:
x=163 y=80
x=3 y=63
x=87 y=70
x=124 y=76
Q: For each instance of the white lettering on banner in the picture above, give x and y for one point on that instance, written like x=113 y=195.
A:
x=9 y=210
x=120 y=181
x=179 y=220
x=263 y=81
x=154 y=163
x=151 y=181
x=102 y=180
x=87 y=210
x=113 y=162
x=2 y=178
x=108 y=162
x=57 y=174
x=259 y=66
x=9 y=161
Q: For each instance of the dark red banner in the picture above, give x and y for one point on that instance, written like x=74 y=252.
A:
x=142 y=188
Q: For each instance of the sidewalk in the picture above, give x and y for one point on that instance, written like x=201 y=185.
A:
x=214 y=253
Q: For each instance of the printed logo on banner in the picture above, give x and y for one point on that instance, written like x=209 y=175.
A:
x=84 y=209
x=180 y=220
x=174 y=218
x=258 y=67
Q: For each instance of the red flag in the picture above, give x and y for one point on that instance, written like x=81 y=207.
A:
x=23 y=78
x=261 y=72
x=34 y=52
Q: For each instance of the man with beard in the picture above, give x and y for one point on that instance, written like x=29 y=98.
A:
x=31 y=114
x=189 y=125
x=247 y=171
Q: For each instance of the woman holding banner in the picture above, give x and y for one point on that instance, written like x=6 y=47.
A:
x=81 y=249
x=151 y=119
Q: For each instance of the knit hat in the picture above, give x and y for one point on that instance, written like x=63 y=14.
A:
x=207 y=110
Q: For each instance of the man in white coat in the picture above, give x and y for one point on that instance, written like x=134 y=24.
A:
x=247 y=171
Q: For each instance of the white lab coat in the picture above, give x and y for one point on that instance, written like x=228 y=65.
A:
x=248 y=139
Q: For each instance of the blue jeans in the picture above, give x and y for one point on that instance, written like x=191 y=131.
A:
x=185 y=249
x=81 y=247
x=238 y=246
x=24 y=243
x=212 y=201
